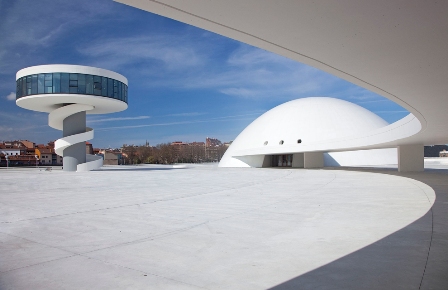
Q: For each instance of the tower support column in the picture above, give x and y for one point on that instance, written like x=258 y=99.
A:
x=298 y=160
x=411 y=158
x=76 y=153
x=313 y=160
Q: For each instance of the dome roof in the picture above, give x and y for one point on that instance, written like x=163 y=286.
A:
x=308 y=120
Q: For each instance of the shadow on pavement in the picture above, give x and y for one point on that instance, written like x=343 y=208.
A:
x=415 y=257
x=140 y=169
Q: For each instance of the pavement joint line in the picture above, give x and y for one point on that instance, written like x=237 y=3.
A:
x=140 y=271
x=40 y=263
x=145 y=203
x=74 y=254
x=162 y=235
x=42 y=244
x=257 y=187
x=148 y=238
x=118 y=265
x=432 y=229
x=429 y=249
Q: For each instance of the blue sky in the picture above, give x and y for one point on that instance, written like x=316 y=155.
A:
x=185 y=84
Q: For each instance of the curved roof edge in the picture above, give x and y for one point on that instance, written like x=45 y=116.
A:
x=379 y=46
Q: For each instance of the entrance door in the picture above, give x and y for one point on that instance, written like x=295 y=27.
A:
x=282 y=160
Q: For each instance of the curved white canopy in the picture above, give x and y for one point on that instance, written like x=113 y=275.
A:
x=397 y=49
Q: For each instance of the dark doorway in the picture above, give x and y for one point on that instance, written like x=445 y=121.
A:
x=282 y=160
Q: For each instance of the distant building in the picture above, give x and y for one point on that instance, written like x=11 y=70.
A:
x=111 y=157
x=89 y=148
x=12 y=148
x=434 y=151
x=28 y=144
x=212 y=149
x=45 y=155
x=211 y=142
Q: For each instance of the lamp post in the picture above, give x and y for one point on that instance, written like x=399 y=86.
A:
x=37 y=158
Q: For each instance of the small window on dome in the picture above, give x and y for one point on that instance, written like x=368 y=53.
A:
x=299 y=141
x=265 y=143
x=281 y=142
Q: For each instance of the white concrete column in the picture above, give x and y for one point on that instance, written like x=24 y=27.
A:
x=313 y=160
x=74 y=154
x=411 y=158
x=267 y=161
x=298 y=160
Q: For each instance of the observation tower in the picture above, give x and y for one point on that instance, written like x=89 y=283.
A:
x=68 y=93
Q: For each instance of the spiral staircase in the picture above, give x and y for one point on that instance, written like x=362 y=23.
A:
x=56 y=119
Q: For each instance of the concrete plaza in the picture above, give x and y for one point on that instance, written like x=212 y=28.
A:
x=203 y=227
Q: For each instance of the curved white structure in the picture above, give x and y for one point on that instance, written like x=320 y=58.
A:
x=299 y=126
x=394 y=48
x=68 y=93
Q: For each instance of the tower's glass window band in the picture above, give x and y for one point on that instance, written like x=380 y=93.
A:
x=71 y=83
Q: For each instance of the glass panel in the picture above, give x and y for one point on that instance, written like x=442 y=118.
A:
x=40 y=83
x=48 y=82
x=119 y=91
x=73 y=77
x=81 y=84
x=23 y=86
x=73 y=90
x=48 y=90
x=73 y=83
x=110 y=88
x=28 y=85
x=115 y=89
x=126 y=94
x=89 y=84
x=56 y=83
x=34 y=85
x=104 y=87
x=17 y=88
x=97 y=85
x=65 y=83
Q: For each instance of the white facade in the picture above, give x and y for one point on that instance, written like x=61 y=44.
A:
x=10 y=151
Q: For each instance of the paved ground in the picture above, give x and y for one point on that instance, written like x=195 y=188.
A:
x=203 y=227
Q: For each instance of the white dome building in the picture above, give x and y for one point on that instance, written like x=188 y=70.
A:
x=280 y=136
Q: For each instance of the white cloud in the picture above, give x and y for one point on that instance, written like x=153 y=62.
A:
x=11 y=96
x=118 y=119
x=165 y=51
x=5 y=129
x=250 y=116
x=192 y=114
x=391 y=112
x=25 y=35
